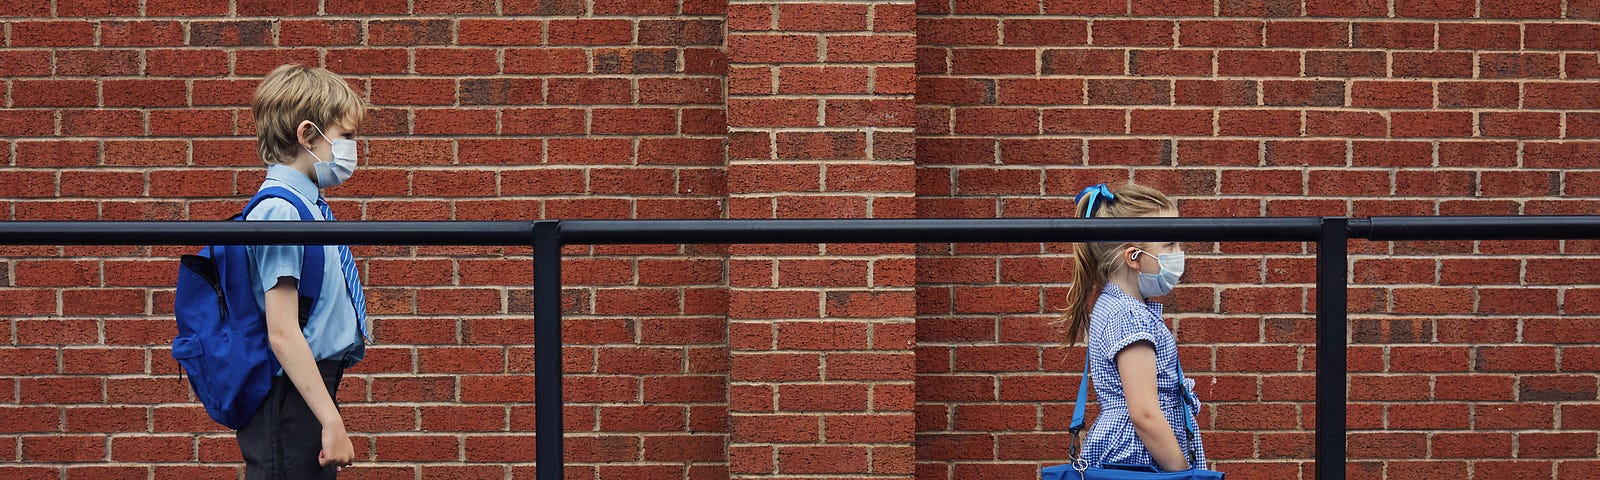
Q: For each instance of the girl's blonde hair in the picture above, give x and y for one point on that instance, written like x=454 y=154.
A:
x=295 y=93
x=1094 y=262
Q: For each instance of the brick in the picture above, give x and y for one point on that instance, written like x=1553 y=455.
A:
x=454 y=61
x=1560 y=36
x=1391 y=94
x=75 y=63
x=831 y=397
x=1520 y=124
x=745 y=48
x=1432 y=124
x=1260 y=8
x=581 y=91
x=1346 y=124
x=1220 y=33
x=869 y=113
x=1498 y=36
x=992 y=61
x=1257 y=63
x=871 y=48
x=1083 y=62
x=1518 y=65
x=1554 y=444
x=1303 y=93
x=54 y=93
x=1133 y=32
x=1560 y=95
x=1557 y=155
x=1045 y=32
x=1215 y=92
x=822 y=80
x=1130 y=92
x=52 y=34
x=821 y=459
x=74 y=448
x=1433 y=64
x=997 y=121
x=1169 y=62
x=1434 y=8
x=590 y=32
x=1123 y=152
x=815 y=17
x=1171 y=122
x=1263 y=182
x=1478 y=94
x=1393 y=35
x=958 y=31
x=1346 y=64
x=544 y=7
x=1307 y=34
x=1258 y=123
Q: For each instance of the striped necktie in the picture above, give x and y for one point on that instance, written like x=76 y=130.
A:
x=352 y=277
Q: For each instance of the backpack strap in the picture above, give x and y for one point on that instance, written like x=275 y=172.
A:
x=1083 y=397
x=310 y=284
x=1189 y=425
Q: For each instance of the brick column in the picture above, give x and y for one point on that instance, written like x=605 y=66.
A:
x=820 y=116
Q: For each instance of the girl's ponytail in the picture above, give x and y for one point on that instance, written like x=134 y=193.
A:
x=1081 y=297
x=1094 y=262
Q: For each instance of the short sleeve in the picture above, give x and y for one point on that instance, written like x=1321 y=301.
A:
x=1130 y=330
x=273 y=262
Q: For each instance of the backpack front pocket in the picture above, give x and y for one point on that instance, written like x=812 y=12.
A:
x=189 y=353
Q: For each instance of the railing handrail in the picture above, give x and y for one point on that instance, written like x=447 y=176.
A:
x=1331 y=234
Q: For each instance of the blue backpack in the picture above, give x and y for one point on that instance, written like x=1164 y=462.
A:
x=222 y=333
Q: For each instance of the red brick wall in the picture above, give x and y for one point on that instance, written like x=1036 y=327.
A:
x=1469 y=359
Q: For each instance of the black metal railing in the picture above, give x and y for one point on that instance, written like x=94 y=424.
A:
x=1330 y=234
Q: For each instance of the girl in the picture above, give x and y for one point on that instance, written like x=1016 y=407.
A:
x=1132 y=356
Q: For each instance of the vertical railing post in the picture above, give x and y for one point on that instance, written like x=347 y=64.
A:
x=547 y=349
x=1332 y=280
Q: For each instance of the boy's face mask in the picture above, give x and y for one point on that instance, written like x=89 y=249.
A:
x=1161 y=283
x=343 y=165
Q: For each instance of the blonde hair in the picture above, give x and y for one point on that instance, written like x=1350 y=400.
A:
x=1094 y=262
x=295 y=93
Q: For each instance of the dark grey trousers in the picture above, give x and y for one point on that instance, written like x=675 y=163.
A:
x=283 y=439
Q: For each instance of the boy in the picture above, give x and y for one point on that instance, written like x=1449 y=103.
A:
x=306 y=120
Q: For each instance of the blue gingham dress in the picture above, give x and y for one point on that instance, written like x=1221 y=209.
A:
x=1119 y=320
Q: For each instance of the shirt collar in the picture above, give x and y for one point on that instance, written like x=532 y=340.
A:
x=295 y=180
x=1115 y=291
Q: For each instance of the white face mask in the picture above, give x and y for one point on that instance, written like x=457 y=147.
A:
x=1158 y=284
x=332 y=173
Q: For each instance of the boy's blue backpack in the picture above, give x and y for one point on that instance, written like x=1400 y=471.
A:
x=222 y=333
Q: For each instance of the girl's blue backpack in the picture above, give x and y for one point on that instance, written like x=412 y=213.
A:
x=222 y=332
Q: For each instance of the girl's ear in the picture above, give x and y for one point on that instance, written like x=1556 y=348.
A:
x=1130 y=257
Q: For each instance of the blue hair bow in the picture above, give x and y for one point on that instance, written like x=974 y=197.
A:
x=1095 y=193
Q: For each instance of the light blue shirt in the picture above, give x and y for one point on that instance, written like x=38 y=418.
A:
x=331 y=331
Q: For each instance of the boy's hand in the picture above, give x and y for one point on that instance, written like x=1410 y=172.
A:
x=336 y=448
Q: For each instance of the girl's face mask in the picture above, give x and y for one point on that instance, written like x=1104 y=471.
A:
x=343 y=164
x=1161 y=283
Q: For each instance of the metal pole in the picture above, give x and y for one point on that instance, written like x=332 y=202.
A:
x=1332 y=279
x=504 y=232
x=548 y=430
x=909 y=230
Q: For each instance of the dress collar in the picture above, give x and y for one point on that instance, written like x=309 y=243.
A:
x=1115 y=291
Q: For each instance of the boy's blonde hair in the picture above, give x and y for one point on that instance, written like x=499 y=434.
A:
x=295 y=93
